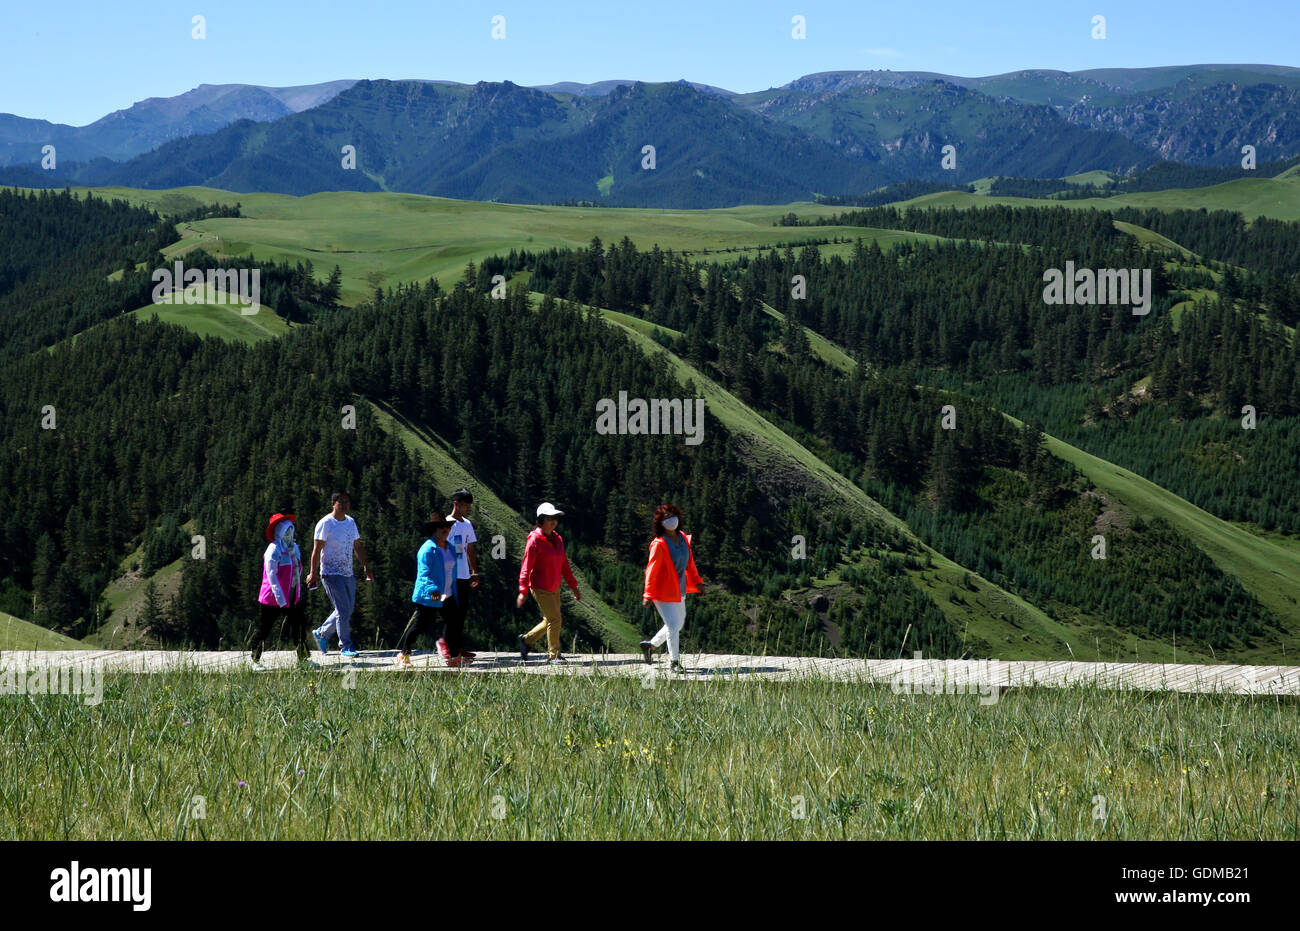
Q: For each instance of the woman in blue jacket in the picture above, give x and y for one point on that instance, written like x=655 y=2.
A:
x=435 y=582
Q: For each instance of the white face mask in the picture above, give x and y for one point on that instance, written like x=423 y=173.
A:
x=286 y=536
x=670 y=523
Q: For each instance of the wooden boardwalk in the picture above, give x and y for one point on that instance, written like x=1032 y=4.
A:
x=986 y=678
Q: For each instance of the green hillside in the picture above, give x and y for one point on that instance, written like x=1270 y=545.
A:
x=1253 y=197
x=218 y=320
x=1268 y=566
x=125 y=595
x=825 y=349
x=936 y=528
x=1094 y=178
x=1016 y=627
x=17 y=634
x=214 y=317
x=606 y=623
x=387 y=239
x=1149 y=238
x=989 y=612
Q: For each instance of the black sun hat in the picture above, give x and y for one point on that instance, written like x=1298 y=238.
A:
x=436 y=519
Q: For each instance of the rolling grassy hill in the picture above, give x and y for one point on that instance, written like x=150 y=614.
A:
x=1014 y=626
x=216 y=318
x=1095 y=178
x=387 y=239
x=824 y=348
x=1268 y=566
x=17 y=634
x=212 y=318
x=1150 y=238
x=1278 y=198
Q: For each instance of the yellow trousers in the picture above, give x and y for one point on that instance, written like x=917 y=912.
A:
x=549 y=602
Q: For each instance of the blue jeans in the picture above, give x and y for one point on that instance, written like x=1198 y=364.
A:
x=342 y=592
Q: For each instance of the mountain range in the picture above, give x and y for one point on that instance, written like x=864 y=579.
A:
x=149 y=123
x=833 y=133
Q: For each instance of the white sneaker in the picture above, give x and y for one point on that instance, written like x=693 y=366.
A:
x=258 y=667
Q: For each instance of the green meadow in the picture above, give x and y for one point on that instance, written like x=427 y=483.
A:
x=446 y=754
x=1278 y=198
x=214 y=318
x=387 y=239
x=17 y=634
x=382 y=240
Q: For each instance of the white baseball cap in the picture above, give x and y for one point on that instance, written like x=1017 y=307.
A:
x=546 y=509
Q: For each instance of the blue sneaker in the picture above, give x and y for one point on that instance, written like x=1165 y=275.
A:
x=322 y=643
x=350 y=654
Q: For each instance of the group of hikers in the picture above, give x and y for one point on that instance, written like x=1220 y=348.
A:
x=446 y=578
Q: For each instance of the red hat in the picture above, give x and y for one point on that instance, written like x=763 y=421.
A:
x=275 y=519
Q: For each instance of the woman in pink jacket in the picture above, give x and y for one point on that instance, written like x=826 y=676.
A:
x=281 y=594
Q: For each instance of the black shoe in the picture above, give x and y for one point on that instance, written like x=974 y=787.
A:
x=523 y=648
x=646 y=649
x=676 y=666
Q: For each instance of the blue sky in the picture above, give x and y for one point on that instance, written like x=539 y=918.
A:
x=73 y=62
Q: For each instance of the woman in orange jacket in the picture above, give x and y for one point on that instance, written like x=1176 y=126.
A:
x=670 y=575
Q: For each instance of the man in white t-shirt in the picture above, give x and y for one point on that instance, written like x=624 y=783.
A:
x=336 y=540
x=463 y=540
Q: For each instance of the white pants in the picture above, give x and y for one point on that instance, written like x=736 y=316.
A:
x=674 y=617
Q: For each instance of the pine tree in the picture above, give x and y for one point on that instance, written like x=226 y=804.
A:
x=152 y=619
x=944 y=486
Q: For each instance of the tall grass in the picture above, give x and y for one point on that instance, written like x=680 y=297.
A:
x=294 y=755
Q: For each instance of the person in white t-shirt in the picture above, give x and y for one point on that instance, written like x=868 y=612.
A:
x=464 y=541
x=336 y=541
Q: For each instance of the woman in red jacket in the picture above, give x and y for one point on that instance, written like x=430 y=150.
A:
x=545 y=564
x=670 y=575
